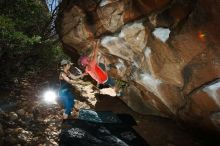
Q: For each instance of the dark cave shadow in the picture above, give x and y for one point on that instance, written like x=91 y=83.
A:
x=88 y=131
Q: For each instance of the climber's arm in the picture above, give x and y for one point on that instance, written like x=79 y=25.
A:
x=95 y=50
x=73 y=76
x=66 y=78
x=83 y=74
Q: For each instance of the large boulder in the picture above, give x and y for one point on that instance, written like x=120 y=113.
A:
x=203 y=106
x=166 y=51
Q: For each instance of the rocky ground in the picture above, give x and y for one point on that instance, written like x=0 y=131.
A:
x=26 y=120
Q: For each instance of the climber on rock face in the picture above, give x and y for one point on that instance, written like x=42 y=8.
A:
x=95 y=70
x=66 y=79
x=92 y=68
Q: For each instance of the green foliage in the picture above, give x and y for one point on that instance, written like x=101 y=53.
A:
x=15 y=42
x=51 y=53
x=24 y=25
x=29 y=16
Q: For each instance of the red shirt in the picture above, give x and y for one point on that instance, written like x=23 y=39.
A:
x=96 y=72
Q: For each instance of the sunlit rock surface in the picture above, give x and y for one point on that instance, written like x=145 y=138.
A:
x=167 y=51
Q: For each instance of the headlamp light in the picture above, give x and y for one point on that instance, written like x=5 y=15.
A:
x=50 y=96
